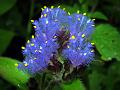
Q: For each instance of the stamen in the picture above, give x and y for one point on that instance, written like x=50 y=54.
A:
x=16 y=64
x=73 y=37
x=23 y=47
x=32 y=21
x=83 y=35
x=32 y=44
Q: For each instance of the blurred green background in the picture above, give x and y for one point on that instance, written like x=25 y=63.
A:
x=15 y=29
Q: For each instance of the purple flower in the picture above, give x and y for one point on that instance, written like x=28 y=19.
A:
x=57 y=32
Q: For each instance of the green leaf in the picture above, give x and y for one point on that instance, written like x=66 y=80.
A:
x=5 y=38
x=70 y=9
x=75 y=85
x=107 y=41
x=10 y=72
x=5 y=5
x=81 y=1
x=114 y=76
x=4 y=85
x=98 y=15
x=95 y=80
x=57 y=87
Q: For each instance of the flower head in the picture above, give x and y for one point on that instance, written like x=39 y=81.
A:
x=58 y=32
x=79 y=50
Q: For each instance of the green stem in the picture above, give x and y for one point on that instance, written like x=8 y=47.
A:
x=58 y=77
x=49 y=84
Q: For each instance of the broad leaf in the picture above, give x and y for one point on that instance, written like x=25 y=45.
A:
x=95 y=80
x=5 y=5
x=70 y=9
x=10 y=72
x=107 y=41
x=114 y=76
x=5 y=38
x=98 y=15
x=75 y=85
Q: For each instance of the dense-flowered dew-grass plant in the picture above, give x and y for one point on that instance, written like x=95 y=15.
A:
x=58 y=33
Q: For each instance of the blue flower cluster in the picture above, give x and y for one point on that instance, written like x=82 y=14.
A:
x=79 y=50
x=45 y=43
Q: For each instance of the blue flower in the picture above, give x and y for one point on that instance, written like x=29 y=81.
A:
x=58 y=32
x=41 y=48
x=79 y=50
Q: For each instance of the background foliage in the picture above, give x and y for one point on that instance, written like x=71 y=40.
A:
x=15 y=29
